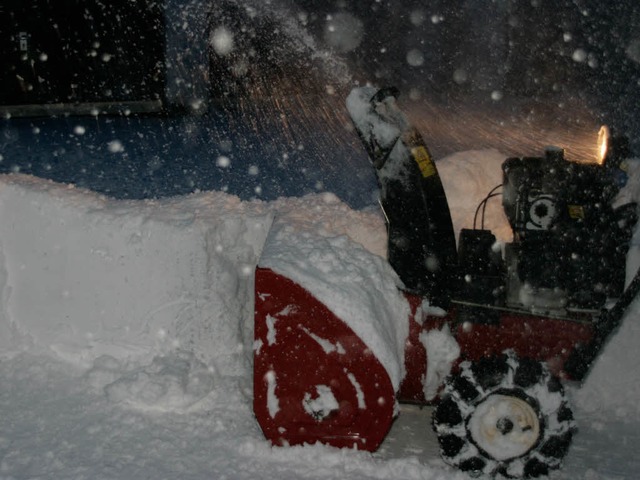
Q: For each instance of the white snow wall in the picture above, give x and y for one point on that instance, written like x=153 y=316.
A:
x=84 y=276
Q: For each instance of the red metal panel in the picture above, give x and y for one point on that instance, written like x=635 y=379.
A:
x=546 y=339
x=301 y=350
x=550 y=340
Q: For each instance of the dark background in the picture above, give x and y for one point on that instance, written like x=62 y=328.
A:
x=505 y=74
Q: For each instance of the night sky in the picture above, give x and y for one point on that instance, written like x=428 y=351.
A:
x=264 y=85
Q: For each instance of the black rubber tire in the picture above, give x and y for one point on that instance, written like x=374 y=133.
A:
x=504 y=415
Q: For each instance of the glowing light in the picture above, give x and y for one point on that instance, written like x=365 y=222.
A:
x=603 y=143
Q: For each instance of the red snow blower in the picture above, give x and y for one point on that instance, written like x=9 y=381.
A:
x=514 y=321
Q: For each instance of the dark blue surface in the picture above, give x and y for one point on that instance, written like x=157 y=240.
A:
x=269 y=156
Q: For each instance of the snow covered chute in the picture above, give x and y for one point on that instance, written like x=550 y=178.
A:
x=128 y=279
x=422 y=246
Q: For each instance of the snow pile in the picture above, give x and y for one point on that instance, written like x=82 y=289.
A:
x=85 y=276
x=442 y=351
x=613 y=385
x=172 y=382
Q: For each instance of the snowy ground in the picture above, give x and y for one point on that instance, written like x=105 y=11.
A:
x=126 y=341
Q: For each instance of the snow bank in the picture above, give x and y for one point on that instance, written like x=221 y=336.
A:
x=613 y=385
x=155 y=298
x=84 y=276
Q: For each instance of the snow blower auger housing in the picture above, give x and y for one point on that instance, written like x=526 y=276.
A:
x=511 y=324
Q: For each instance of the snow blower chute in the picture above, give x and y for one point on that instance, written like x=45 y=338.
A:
x=341 y=334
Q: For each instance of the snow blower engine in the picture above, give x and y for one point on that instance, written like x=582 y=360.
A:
x=569 y=241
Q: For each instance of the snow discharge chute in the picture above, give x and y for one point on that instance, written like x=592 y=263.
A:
x=486 y=333
x=422 y=245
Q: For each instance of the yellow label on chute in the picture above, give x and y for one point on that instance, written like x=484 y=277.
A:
x=423 y=159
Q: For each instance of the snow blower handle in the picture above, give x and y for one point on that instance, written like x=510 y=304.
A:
x=579 y=364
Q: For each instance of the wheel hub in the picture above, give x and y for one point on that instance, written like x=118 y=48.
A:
x=504 y=426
